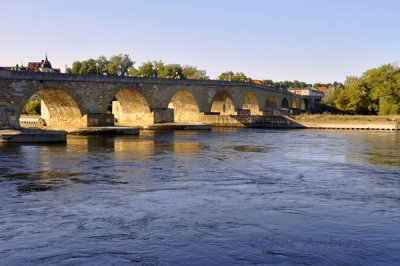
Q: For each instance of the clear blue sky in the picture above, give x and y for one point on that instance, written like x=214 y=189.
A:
x=307 y=40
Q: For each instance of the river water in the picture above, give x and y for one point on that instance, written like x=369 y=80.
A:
x=221 y=197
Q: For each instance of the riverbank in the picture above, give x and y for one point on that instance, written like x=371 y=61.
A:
x=347 y=122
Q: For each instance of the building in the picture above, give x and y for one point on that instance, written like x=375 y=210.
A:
x=307 y=92
x=323 y=89
x=312 y=97
x=42 y=66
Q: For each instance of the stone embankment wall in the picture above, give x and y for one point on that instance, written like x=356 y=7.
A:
x=249 y=121
x=335 y=124
x=288 y=122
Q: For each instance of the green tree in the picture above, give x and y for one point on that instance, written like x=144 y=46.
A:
x=354 y=98
x=88 y=67
x=101 y=64
x=230 y=76
x=133 y=72
x=384 y=86
x=377 y=91
x=147 y=69
x=119 y=65
x=76 y=67
x=268 y=83
x=331 y=95
x=191 y=72
x=171 y=71
x=32 y=107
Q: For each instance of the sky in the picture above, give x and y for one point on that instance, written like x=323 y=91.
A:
x=306 y=40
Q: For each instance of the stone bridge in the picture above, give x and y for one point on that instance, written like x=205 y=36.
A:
x=95 y=100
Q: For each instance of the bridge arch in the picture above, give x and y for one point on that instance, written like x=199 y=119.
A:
x=223 y=104
x=185 y=107
x=129 y=107
x=294 y=104
x=58 y=108
x=303 y=106
x=271 y=106
x=284 y=104
x=251 y=103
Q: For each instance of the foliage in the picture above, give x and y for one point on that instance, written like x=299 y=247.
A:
x=133 y=72
x=377 y=91
x=117 y=65
x=147 y=69
x=230 y=76
x=286 y=84
x=332 y=94
x=32 y=107
x=171 y=71
x=191 y=72
x=159 y=69
x=324 y=108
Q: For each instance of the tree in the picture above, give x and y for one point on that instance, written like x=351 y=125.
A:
x=32 y=107
x=332 y=94
x=101 y=64
x=133 y=72
x=268 y=83
x=230 y=76
x=377 y=91
x=354 y=98
x=119 y=65
x=171 y=71
x=384 y=86
x=76 y=67
x=88 y=67
x=191 y=72
x=147 y=69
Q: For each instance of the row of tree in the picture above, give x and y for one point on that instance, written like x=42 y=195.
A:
x=159 y=70
x=123 y=65
x=117 y=65
x=377 y=91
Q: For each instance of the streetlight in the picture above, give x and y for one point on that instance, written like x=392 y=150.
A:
x=97 y=67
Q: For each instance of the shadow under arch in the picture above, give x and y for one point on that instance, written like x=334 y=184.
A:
x=59 y=109
x=251 y=103
x=223 y=104
x=271 y=106
x=185 y=107
x=129 y=107
x=284 y=104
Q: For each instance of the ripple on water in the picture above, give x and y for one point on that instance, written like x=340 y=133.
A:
x=229 y=197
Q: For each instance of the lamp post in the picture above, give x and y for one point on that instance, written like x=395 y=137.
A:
x=97 y=67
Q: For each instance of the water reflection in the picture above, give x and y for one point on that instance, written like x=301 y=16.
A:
x=374 y=148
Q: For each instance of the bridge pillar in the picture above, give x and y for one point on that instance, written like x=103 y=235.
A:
x=7 y=117
x=98 y=120
x=243 y=111
x=163 y=115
